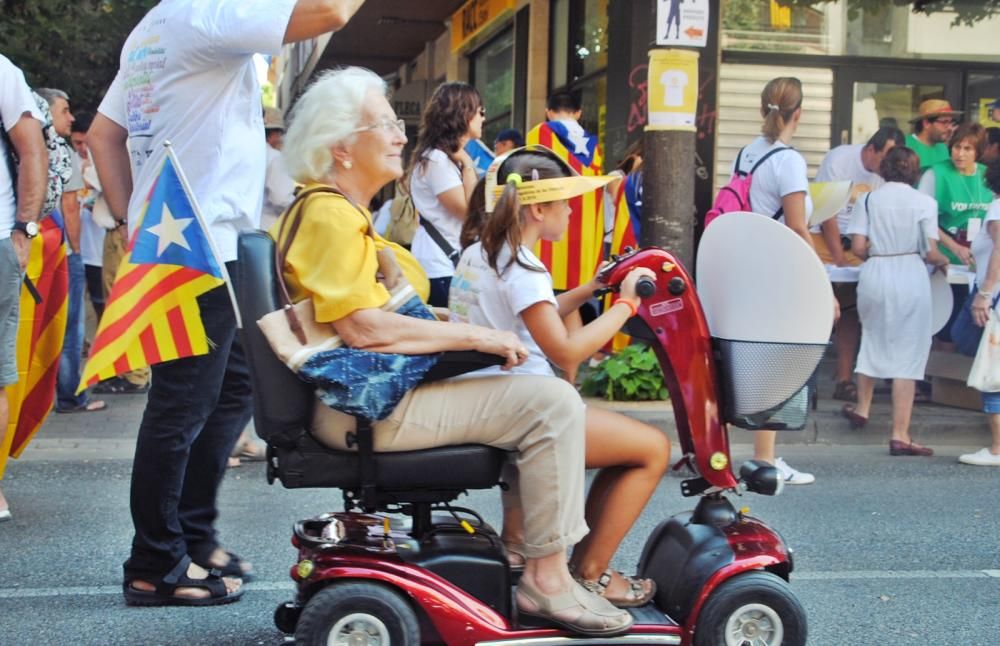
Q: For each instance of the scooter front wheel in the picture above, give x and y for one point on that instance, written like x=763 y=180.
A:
x=357 y=613
x=752 y=609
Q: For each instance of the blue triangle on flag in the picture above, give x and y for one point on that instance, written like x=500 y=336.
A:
x=170 y=233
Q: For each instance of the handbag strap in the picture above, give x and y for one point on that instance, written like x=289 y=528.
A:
x=452 y=253
x=292 y=221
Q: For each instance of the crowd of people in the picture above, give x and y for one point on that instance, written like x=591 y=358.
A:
x=499 y=262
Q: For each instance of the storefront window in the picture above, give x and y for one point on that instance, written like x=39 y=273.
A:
x=493 y=76
x=832 y=28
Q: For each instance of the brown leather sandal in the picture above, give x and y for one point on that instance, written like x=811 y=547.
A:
x=639 y=591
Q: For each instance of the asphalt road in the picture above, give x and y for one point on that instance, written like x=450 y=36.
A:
x=889 y=551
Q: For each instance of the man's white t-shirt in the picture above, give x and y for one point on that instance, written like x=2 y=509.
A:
x=187 y=75
x=15 y=102
x=844 y=163
x=481 y=297
x=780 y=175
x=429 y=179
x=279 y=188
x=982 y=245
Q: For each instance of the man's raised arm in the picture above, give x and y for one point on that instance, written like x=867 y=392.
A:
x=312 y=18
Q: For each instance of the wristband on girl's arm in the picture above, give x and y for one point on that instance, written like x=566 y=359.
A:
x=985 y=293
x=628 y=304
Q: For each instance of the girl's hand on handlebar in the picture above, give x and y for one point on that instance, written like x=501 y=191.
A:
x=627 y=288
x=505 y=344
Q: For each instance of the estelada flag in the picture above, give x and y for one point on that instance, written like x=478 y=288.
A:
x=573 y=259
x=40 y=333
x=628 y=203
x=152 y=312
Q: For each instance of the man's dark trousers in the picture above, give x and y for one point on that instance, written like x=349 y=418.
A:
x=197 y=409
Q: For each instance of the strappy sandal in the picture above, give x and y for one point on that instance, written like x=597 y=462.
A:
x=236 y=568
x=576 y=610
x=166 y=589
x=846 y=391
x=516 y=560
x=640 y=591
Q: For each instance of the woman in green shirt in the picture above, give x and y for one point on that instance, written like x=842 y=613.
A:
x=960 y=190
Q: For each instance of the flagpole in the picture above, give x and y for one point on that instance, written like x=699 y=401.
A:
x=204 y=227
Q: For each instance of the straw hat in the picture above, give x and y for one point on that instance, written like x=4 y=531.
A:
x=273 y=119
x=532 y=191
x=932 y=108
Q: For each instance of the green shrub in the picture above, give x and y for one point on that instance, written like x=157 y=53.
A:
x=631 y=375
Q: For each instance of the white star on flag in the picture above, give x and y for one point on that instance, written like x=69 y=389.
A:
x=170 y=231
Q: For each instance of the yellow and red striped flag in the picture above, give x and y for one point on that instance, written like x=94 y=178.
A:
x=574 y=259
x=41 y=328
x=152 y=311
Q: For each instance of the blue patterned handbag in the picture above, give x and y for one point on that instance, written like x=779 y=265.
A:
x=360 y=383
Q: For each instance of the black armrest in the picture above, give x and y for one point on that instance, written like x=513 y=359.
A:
x=460 y=362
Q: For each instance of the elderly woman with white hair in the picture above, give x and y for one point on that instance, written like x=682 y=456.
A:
x=344 y=135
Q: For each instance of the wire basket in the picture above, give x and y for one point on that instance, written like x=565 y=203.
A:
x=765 y=385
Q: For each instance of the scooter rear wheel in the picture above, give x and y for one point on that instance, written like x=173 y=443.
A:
x=752 y=609
x=357 y=613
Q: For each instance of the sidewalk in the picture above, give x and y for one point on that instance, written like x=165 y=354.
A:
x=110 y=434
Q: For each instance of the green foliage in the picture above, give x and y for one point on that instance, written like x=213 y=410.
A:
x=72 y=45
x=631 y=375
x=742 y=15
x=967 y=12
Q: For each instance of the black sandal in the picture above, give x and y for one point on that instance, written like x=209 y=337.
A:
x=166 y=588
x=233 y=569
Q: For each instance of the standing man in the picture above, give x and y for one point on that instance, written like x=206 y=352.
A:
x=858 y=163
x=22 y=192
x=932 y=127
x=67 y=401
x=279 y=189
x=91 y=233
x=187 y=75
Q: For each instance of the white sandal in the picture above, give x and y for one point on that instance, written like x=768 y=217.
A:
x=575 y=609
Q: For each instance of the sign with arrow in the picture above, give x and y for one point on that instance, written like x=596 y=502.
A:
x=682 y=22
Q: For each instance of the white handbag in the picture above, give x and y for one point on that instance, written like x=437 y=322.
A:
x=985 y=373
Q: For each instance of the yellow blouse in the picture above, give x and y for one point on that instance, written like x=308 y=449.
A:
x=333 y=259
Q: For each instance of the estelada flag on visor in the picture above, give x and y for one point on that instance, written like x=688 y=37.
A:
x=152 y=312
x=40 y=333
x=574 y=259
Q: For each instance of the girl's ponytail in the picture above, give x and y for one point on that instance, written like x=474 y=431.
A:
x=779 y=100
x=503 y=228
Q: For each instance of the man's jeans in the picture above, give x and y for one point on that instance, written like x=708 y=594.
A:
x=196 y=410
x=69 y=362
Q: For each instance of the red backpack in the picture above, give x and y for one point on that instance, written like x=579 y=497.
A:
x=735 y=196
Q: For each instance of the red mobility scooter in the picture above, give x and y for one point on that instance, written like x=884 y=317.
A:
x=402 y=566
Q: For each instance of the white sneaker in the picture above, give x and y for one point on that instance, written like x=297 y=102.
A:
x=792 y=476
x=981 y=458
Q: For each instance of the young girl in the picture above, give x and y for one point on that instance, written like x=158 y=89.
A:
x=499 y=283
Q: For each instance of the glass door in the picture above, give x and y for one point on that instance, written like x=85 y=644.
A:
x=867 y=98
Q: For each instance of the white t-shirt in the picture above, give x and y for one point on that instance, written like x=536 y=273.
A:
x=15 y=102
x=187 y=75
x=780 y=175
x=279 y=189
x=982 y=245
x=430 y=179
x=481 y=297
x=844 y=163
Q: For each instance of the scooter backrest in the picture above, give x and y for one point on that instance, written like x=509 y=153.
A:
x=282 y=402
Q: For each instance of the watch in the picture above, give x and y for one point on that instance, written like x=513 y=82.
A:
x=29 y=229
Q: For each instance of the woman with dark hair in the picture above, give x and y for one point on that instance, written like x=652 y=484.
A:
x=957 y=185
x=441 y=178
x=968 y=327
x=889 y=228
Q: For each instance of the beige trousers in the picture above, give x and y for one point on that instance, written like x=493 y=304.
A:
x=114 y=251
x=541 y=418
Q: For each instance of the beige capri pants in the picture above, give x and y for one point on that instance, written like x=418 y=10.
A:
x=541 y=418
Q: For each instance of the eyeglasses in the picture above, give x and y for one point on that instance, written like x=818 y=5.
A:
x=385 y=124
x=946 y=121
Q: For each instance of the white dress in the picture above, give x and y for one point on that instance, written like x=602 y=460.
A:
x=894 y=289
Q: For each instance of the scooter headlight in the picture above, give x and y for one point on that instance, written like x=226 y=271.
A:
x=761 y=477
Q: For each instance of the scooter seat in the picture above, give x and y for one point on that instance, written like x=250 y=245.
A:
x=283 y=409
